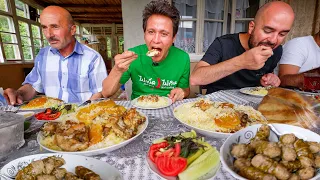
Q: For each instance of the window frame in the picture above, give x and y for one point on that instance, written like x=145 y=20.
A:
x=15 y=18
x=200 y=20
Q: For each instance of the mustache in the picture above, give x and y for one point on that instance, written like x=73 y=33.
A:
x=53 y=39
x=268 y=43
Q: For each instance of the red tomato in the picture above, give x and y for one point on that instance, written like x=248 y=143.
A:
x=53 y=116
x=48 y=111
x=177 y=149
x=159 y=145
x=171 y=166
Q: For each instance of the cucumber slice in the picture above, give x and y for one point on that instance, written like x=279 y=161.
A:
x=191 y=134
x=207 y=162
x=195 y=155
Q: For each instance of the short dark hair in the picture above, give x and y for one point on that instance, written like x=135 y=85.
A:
x=161 y=7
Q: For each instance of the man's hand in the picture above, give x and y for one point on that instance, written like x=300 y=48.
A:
x=176 y=94
x=270 y=79
x=12 y=96
x=123 y=61
x=256 y=57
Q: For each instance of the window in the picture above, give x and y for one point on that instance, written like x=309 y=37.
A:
x=108 y=39
x=36 y=38
x=22 y=9
x=204 y=20
x=25 y=40
x=4 y=5
x=9 y=38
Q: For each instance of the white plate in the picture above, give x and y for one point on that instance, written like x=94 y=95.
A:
x=244 y=91
x=103 y=169
x=244 y=136
x=26 y=114
x=101 y=150
x=153 y=168
x=169 y=102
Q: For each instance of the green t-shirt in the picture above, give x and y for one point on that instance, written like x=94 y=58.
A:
x=172 y=72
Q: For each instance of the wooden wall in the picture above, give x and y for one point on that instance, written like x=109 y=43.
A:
x=12 y=75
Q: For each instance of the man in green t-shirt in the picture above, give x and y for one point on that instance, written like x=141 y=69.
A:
x=166 y=73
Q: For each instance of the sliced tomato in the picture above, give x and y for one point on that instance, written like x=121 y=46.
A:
x=40 y=115
x=48 y=111
x=159 y=145
x=171 y=166
x=177 y=149
x=53 y=116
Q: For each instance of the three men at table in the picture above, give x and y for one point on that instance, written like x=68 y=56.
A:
x=247 y=59
x=66 y=69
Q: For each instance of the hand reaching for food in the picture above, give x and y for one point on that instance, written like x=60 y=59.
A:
x=270 y=79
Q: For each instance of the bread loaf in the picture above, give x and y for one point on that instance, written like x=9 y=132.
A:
x=287 y=106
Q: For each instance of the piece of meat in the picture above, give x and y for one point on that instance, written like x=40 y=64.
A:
x=72 y=136
x=314 y=147
x=59 y=173
x=270 y=166
x=306 y=173
x=246 y=170
x=241 y=151
x=46 y=177
x=288 y=153
x=71 y=176
x=52 y=162
x=287 y=139
x=86 y=173
x=49 y=128
x=317 y=161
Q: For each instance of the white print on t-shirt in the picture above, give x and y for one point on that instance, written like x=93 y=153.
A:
x=158 y=83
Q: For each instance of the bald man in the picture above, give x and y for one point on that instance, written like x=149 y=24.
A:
x=66 y=69
x=240 y=60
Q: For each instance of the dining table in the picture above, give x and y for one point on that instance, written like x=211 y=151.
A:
x=130 y=160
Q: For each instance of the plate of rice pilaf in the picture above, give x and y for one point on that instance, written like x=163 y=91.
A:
x=96 y=128
x=217 y=119
x=151 y=102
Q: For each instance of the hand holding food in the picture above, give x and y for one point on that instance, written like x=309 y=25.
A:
x=184 y=155
x=256 y=57
x=123 y=61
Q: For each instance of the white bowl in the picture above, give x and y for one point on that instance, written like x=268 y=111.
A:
x=244 y=136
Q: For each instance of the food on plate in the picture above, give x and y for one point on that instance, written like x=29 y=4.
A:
x=217 y=116
x=289 y=107
x=97 y=125
x=261 y=91
x=289 y=158
x=151 y=101
x=51 y=168
x=41 y=102
x=184 y=155
x=56 y=111
x=153 y=52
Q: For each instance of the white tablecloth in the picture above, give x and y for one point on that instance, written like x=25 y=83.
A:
x=130 y=160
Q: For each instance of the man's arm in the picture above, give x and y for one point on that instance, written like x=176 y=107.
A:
x=289 y=76
x=253 y=59
x=111 y=84
x=24 y=93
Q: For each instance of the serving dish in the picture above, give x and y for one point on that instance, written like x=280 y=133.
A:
x=102 y=168
x=203 y=116
x=245 y=135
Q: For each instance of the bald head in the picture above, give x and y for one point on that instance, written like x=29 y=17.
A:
x=59 y=11
x=274 y=8
x=271 y=25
